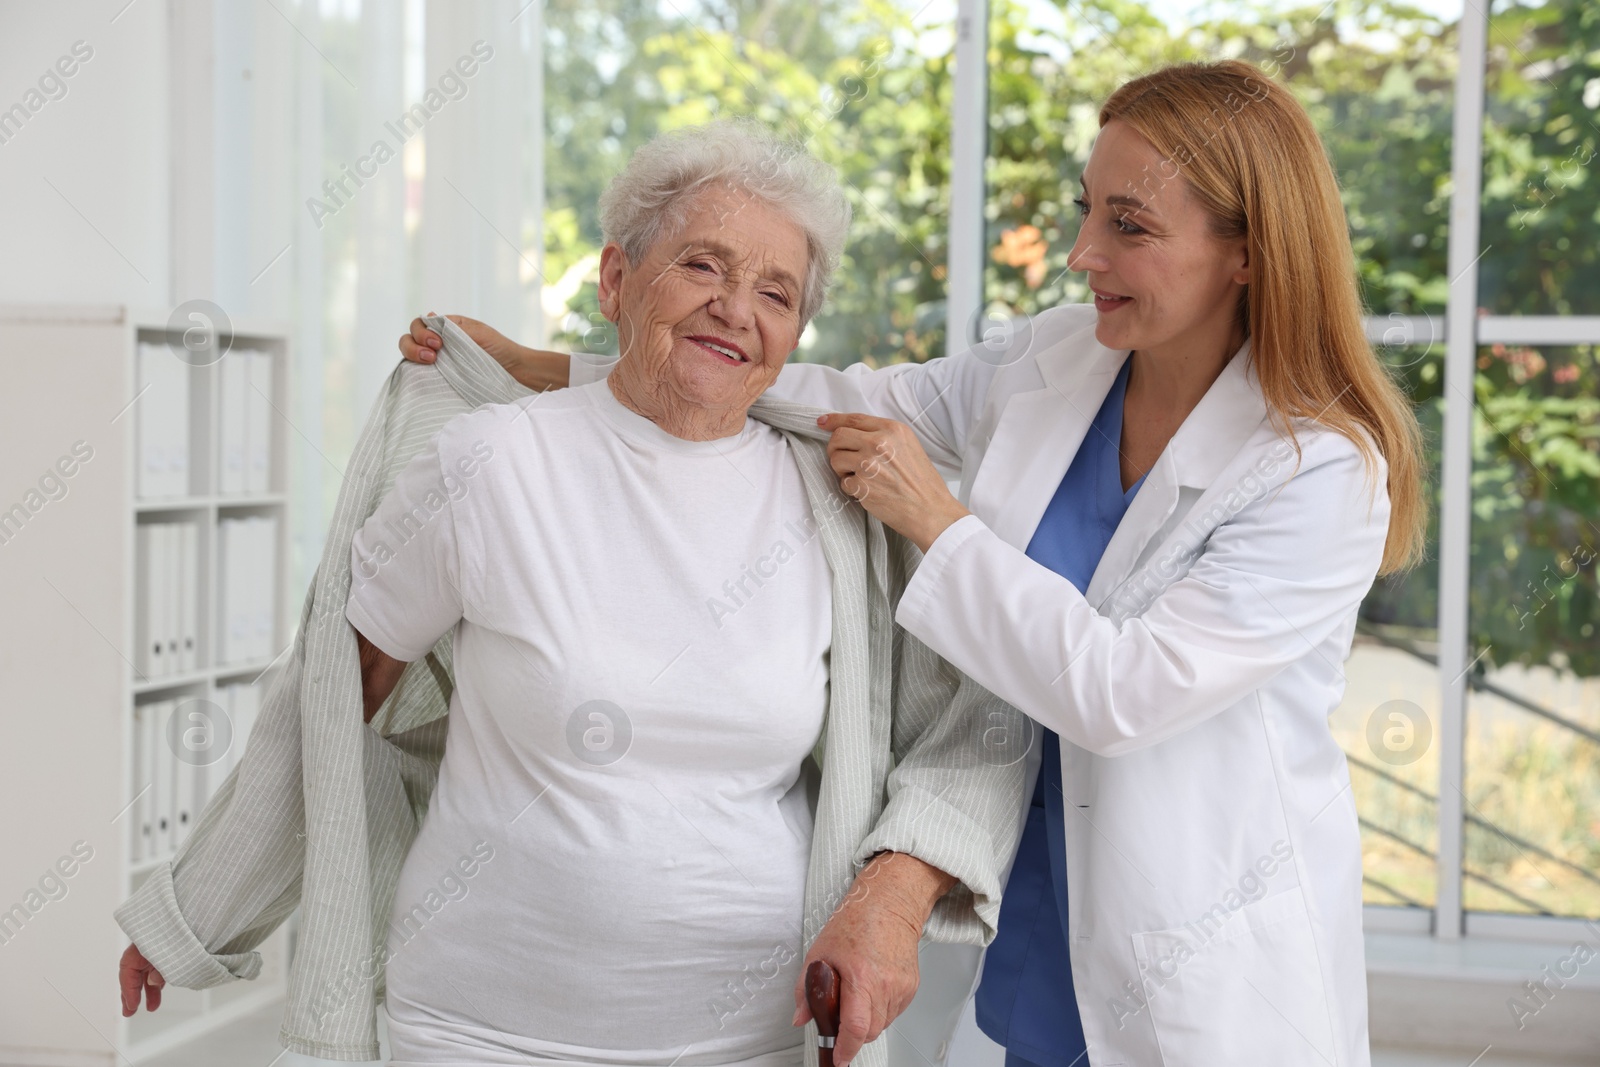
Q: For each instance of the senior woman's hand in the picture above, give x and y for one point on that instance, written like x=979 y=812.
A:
x=881 y=463
x=136 y=974
x=871 y=942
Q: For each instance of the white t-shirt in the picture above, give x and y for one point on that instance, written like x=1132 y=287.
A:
x=613 y=862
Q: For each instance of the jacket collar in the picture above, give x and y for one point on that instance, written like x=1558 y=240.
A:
x=1041 y=430
x=1210 y=436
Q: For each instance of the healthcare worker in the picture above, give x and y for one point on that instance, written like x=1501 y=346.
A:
x=1171 y=506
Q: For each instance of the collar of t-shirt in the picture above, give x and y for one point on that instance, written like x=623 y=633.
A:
x=643 y=431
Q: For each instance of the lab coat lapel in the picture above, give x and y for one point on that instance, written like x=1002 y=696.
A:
x=1039 y=433
x=1209 y=438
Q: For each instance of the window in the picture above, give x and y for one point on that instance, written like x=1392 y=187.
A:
x=1541 y=229
x=866 y=86
x=1472 y=713
x=1379 y=84
x=1532 y=783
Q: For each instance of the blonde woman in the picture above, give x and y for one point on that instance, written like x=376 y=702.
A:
x=1171 y=506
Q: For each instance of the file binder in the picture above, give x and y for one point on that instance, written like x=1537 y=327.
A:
x=172 y=589
x=231 y=422
x=189 y=597
x=161 y=776
x=258 y=423
x=163 y=424
x=265 y=572
x=143 y=812
x=156 y=607
x=144 y=660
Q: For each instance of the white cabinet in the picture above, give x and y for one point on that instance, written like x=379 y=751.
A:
x=122 y=712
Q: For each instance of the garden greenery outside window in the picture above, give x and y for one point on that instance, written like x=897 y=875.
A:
x=870 y=87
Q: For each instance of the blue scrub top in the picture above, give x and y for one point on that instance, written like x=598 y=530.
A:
x=1025 y=1000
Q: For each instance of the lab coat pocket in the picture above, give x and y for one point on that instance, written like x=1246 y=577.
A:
x=1238 y=986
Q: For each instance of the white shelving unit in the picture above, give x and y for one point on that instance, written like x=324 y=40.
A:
x=69 y=569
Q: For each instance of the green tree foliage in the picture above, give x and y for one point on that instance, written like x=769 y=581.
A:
x=868 y=86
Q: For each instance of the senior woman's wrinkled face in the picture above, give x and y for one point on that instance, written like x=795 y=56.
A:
x=709 y=316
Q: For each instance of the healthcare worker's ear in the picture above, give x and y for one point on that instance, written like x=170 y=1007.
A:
x=1242 y=274
x=612 y=263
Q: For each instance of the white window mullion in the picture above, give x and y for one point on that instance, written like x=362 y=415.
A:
x=1539 y=329
x=968 y=146
x=381 y=310
x=311 y=468
x=1455 y=507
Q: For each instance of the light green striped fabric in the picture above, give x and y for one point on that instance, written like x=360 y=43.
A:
x=322 y=808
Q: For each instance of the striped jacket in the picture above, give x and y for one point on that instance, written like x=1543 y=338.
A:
x=322 y=807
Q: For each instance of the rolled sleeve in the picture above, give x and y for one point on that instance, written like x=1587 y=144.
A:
x=922 y=824
x=152 y=920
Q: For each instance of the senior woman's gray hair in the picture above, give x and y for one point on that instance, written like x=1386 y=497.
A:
x=651 y=198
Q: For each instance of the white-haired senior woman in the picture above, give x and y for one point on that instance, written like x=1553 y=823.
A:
x=590 y=562
x=719 y=246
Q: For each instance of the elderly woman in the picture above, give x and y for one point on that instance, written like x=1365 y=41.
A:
x=643 y=675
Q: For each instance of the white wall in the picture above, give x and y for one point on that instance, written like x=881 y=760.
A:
x=100 y=235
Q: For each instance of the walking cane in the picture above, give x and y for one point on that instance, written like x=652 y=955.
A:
x=822 y=994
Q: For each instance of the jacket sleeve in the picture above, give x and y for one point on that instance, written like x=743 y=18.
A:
x=237 y=875
x=955 y=795
x=1269 y=586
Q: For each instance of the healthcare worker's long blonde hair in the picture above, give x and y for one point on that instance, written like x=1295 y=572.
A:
x=1251 y=156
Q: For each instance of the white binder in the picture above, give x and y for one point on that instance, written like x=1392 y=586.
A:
x=139 y=812
x=173 y=590
x=189 y=598
x=258 y=423
x=163 y=424
x=150 y=727
x=143 y=632
x=162 y=777
x=231 y=423
x=189 y=602
x=228 y=600
x=265 y=571
x=186 y=792
x=152 y=457
x=156 y=602
x=176 y=426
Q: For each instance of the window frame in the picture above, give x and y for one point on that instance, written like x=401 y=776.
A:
x=1460 y=330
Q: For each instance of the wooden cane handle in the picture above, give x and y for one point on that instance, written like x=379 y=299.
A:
x=822 y=994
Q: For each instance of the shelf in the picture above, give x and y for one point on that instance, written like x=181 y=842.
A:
x=172 y=681
x=238 y=669
x=200 y=503
x=180 y=503
x=230 y=671
x=259 y=500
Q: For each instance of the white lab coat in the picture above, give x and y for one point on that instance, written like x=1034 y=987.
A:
x=1213 y=856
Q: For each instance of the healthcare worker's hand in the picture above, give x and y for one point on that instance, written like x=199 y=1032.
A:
x=135 y=973
x=535 y=368
x=881 y=463
x=871 y=942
